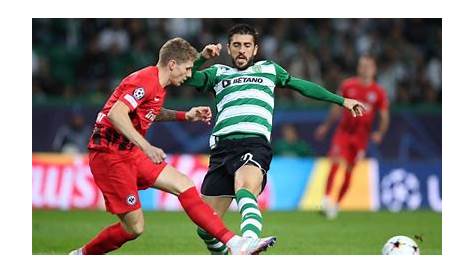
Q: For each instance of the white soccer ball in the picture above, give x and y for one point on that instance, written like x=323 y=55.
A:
x=400 y=245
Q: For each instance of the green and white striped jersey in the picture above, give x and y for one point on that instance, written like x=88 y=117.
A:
x=245 y=99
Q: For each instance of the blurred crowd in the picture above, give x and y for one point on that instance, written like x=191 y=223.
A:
x=84 y=59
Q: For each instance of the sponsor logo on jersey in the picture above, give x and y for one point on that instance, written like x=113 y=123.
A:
x=150 y=115
x=131 y=199
x=242 y=80
x=139 y=93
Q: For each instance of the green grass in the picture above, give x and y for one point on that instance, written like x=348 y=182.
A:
x=58 y=232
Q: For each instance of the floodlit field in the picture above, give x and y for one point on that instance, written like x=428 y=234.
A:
x=58 y=232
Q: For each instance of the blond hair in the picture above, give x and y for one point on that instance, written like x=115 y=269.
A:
x=177 y=49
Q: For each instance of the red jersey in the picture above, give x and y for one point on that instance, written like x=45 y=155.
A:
x=142 y=93
x=372 y=96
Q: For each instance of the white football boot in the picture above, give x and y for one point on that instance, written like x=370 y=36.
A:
x=76 y=252
x=329 y=208
x=250 y=246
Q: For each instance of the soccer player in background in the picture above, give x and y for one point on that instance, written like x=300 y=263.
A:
x=240 y=140
x=351 y=137
x=122 y=161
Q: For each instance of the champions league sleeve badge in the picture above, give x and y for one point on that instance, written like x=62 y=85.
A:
x=139 y=93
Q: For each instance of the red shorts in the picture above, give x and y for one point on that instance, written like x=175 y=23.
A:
x=119 y=175
x=349 y=146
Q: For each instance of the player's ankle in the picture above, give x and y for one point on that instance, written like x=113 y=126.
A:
x=233 y=241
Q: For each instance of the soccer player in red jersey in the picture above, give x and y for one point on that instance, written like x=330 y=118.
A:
x=352 y=135
x=122 y=161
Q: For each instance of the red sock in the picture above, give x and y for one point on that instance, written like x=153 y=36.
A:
x=109 y=239
x=345 y=185
x=203 y=215
x=330 y=181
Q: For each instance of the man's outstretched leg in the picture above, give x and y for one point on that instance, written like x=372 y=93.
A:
x=172 y=181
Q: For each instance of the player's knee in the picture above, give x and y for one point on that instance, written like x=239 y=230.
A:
x=134 y=227
x=137 y=229
x=183 y=184
x=254 y=187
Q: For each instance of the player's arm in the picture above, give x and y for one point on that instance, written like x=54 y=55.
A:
x=195 y=114
x=384 y=122
x=118 y=116
x=202 y=80
x=315 y=91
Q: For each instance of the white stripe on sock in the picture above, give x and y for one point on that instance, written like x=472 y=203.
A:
x=245 y=201
x=251 y=210
x=250 y=234
x=252 y=222
x=217 y=245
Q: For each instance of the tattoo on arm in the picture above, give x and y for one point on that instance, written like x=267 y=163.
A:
x=166 y=115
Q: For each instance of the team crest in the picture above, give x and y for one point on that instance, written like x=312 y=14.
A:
x=139 y=93
x=131 y=199
x=372 y=97
x=257 y=68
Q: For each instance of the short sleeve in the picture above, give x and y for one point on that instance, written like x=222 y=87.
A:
x=133 y=93
x=282 y=76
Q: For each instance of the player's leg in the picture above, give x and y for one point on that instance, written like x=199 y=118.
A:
x=334 y=162
x=220 y=205
x=354 y=158
x=131 y=226
x=167 y=178
x=336 y=158
x=248 y=185
x=334 y=166
x=116 y=180
x=172 y=181
x=346 y=183
x=332 y=206
x=217 y=190
x=250 y=167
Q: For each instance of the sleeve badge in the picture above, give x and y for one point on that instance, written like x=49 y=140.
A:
x=139 y=93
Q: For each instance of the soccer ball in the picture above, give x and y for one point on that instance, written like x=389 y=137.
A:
x=400 y=245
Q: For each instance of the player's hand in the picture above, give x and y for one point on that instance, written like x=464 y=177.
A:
x=211 y=51
x=199 y=114
x=377 y=137
x=320 y=132
x=156 y=155
x=356 y=107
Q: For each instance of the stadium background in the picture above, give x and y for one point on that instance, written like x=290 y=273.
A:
x=78 y=62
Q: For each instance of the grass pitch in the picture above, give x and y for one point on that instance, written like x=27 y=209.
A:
x=298 y=232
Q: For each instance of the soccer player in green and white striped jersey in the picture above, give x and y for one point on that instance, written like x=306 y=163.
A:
x=240 y=141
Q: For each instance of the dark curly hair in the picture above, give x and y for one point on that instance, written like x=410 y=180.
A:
x=243 y=29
